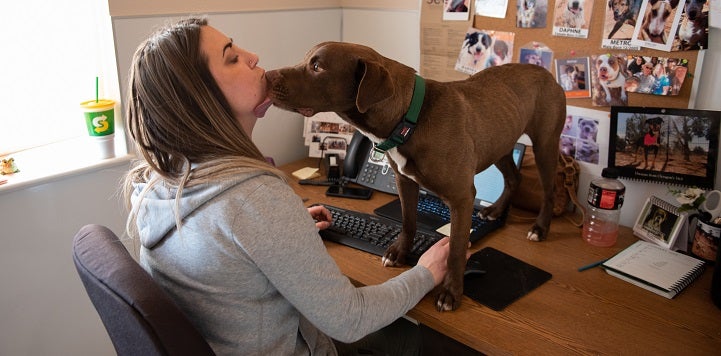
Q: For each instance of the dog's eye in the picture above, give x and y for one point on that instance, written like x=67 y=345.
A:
x=316 y=67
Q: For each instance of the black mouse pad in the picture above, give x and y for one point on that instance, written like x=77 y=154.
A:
x=506 y=278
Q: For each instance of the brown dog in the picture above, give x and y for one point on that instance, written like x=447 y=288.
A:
x=463 y=128
x=653 y=28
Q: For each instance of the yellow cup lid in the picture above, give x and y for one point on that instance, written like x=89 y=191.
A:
x=101 y=103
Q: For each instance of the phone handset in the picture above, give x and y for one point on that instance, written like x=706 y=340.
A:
x=358 y=168
x=355 y=154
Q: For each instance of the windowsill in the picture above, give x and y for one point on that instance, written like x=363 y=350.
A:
x=60 y=160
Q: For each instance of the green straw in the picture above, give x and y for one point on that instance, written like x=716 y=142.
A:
x=96 y=89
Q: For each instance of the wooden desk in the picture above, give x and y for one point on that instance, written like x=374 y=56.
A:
x=575 y=312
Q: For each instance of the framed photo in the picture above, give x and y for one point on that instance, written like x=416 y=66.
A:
x=660 y=222
x=668 y=146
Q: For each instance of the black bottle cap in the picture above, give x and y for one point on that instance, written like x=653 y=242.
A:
x=609 y=172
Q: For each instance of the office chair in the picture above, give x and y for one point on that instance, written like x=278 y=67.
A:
x=139 y=316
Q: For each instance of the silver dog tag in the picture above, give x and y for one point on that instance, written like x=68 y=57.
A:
x=377 y=155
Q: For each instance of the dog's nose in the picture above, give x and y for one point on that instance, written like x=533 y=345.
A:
x=272 y=75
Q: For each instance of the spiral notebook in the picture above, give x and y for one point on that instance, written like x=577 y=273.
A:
x=654 y=268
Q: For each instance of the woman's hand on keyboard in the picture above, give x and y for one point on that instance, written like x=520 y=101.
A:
x=321 y=215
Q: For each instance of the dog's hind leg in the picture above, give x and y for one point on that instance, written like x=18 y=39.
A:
x=545 y=151
x=546 y=162
x=511 y=179
x=396 y=253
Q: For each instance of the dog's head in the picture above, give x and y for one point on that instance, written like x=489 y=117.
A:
x=608 y=67
x=574 y=6
x=340 y=77
x=654 y=123
x=622 y=9
x=657 y=12
x=500 y=48
x=694 y=9
x=659 y=217
x=587 y=151
x=588 y=128
x=478 y=42
x=534 y=58
x=567 y=146
x=529 y=4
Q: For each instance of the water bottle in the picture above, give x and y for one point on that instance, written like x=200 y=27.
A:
x=605 y=198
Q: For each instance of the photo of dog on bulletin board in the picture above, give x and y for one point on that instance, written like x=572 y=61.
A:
x=532 y=13
x=540 y=56
x=608 y=79
x=581 y=133
x=572 y=18
x=669 y=146
x=484 y=48
x=573 y=75
x=656 y=20
x=692 y=32
x=619 y=23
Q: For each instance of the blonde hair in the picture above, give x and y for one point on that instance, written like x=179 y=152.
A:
x=177 y=116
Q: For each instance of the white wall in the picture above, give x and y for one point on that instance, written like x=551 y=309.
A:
x=43 y=307
x=394 y=34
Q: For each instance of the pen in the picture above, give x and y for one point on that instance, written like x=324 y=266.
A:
x=591 y=265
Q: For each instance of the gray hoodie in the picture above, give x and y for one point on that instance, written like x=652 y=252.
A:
x=250 y=270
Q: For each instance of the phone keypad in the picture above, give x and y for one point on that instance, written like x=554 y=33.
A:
x=370 y=172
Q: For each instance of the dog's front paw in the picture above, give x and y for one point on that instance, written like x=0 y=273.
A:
x=394 y=256
x=449 y=298
x=448 y=301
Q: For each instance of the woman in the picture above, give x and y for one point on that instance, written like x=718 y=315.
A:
x=663 y=84
x=220 y=229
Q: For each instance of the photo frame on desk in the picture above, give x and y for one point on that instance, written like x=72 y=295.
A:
x=663 y=145
x=660 y=222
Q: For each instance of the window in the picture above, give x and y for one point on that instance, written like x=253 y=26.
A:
x=52 y=53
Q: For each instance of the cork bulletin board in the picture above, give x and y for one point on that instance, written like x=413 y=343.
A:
x=441 y=42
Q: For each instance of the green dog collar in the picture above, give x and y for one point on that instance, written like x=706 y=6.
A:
x=405 y=128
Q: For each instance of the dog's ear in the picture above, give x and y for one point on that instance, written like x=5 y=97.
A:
x=487 y=40
x=674 y=3
x=374 y=86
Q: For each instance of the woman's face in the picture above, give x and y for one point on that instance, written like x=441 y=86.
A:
x=238 y=76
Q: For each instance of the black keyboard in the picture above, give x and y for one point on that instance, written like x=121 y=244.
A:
x=429 y=204
x=373 y=234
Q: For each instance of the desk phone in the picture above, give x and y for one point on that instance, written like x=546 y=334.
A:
x=360 y=169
